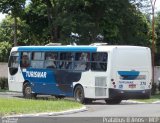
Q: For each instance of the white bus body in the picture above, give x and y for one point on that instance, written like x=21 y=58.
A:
x=127 y=73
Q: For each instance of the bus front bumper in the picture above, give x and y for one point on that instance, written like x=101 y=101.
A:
x=129 y=94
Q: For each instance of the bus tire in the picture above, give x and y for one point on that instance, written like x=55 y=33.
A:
x=79 y=94
x=113 y=101
x=27 y=91
x=88 y=101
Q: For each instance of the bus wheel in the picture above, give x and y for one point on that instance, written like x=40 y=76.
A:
x=113 y=101
x=88 y=101
x=79 y=94
x=27 y=92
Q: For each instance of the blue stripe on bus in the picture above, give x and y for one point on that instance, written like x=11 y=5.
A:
x=60 y=48
x=126 y=73
x=49 y=81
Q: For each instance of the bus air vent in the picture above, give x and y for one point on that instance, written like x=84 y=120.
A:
x=100 y=86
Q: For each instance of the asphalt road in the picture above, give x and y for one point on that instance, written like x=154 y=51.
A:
x=96 y=113
x=122 y=110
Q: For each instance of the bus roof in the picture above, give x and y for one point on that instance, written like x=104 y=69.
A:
x=68 y=48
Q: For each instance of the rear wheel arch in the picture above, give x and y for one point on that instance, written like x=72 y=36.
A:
x=79 y=94
x=76 y=86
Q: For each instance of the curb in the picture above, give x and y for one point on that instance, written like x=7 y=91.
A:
x=137 y=102
x=10 y=93
x=156 y=102
x=50 y=113
x=133 y=102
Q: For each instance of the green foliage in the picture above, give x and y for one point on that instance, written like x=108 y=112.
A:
x=3 y=83
x=4 y=51
x=13 y=7
x=143 y=5
x=7 y=32
x=36 y=18
x=119 y=21
x=44 y=21
x=154 y=98
x=21 y=106
x=157 y=30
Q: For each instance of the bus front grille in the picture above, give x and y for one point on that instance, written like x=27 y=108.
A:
x=100 y=86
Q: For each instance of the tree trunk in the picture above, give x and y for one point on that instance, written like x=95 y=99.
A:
x=50 y=18
x=15 y=31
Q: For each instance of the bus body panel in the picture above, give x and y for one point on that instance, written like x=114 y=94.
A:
x=94 y=84
x=131 y=73
x=15 y=82
x=124 y=78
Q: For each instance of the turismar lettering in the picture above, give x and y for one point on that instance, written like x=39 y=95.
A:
x=36 y=74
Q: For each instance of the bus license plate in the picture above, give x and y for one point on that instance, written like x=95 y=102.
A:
x=132 y=85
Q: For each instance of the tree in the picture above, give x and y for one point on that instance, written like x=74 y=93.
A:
x=13 y=7
x=157 y=30
x=143 y=5
x=35 y=16
x=120 y=22
x=5 y=48
x=6 y=31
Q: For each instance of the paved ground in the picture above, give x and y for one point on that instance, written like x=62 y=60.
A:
x=97 y=112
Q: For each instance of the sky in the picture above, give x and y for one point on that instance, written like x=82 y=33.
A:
x=157 y=5
x=2 y=16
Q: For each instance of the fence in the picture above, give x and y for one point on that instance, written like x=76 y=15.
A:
x=3 y=69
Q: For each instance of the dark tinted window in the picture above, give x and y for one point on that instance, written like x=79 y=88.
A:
x=25 y=59
x=66 y=60
x=13 y=63
x=99 y=61
x=51 y=60
x=82 y=61
x=13 y=60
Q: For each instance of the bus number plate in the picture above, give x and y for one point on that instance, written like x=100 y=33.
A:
x=132 y=85
x=12 y=78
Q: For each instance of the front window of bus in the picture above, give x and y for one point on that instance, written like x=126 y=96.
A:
x=13 y=63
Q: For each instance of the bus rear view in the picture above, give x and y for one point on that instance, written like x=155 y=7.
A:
x=131 y=73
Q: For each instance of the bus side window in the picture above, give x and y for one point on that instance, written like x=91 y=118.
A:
x=62 y=60
x=25 y=59
x=81 y=61
x=69 y=60
x=66 y=60
x=50 y=60
x=93 y=64
x=103 y=62
x=99 y=61
x=37 y=60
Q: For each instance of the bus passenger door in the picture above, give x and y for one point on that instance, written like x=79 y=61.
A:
x=15 y=77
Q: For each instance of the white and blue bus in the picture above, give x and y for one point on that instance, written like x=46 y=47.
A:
x=93 y=72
